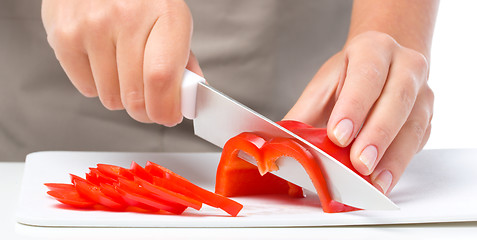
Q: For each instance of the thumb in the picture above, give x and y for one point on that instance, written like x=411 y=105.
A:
x=193 y=65
x=319 y=97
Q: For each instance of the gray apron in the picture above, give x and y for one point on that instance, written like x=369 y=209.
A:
x=262 y=53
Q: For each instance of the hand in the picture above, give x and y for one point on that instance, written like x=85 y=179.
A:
x=131 y=54
x=373 y=95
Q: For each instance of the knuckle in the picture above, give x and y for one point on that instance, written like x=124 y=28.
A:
x=63 y=37
x=123 y=8
x=427 y=93
x=407 y=97
x=96 y=24
x=370 y=73
x=373 y=39
x=430 y=95
x=384 y=39
x=159 y=77
x=418 y=62
x=126 y=12
x=417 y=128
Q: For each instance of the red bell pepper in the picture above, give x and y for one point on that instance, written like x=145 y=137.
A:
x=236 y=177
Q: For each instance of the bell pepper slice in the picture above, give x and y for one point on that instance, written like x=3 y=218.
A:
x=115 y=172
x=164 y=177
x=67 y=194
x=71 y=198
x=110 y=191
x=59 y=186
x=169 y=195
x=139 y=171
x=133 y=191
x=237 y=177
x=97 y=177
x=92 y=192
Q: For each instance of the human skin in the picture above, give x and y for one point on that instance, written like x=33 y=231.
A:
x=374 y=94
x=132 y=54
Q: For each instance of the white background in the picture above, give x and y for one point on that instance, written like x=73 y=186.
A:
x=454 y=83
x=453 y=76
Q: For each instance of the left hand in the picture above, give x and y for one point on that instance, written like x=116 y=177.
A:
x=374 y=92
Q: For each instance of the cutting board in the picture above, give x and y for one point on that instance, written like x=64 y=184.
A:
x=438 y=186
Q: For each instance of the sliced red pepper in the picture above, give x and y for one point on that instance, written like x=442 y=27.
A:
x=115 y=171
x=92 y=192
x=111 y=187
x=177 y=183
x=140 y=172
x=215 y=200
x=96 y=177
x=136 y=200
x=133 y=191
x=71 y=197
x=229 y=183
x=169 y=195
x=110 y=191
x=162 y=172
x=59 y=186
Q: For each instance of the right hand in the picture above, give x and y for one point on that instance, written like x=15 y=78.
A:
x=131 y=54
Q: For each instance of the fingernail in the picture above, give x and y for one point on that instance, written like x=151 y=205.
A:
x=384 y=180
x=368 y=157
x=343 y=131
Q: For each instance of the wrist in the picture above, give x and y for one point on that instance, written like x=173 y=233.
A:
x=410 y=23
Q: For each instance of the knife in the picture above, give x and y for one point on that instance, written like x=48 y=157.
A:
x=217 y=118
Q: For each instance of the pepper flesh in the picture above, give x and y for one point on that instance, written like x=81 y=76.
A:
x=237 y=177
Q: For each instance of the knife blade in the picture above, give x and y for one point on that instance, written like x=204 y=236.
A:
x=217 y=118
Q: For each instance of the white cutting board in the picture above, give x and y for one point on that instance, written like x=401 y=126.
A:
x=438 y=186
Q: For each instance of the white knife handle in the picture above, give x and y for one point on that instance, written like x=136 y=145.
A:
x=190 y=81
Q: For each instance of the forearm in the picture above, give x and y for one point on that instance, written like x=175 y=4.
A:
x=409 y=22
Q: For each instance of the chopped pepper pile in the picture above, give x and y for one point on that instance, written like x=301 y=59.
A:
x=153 y=189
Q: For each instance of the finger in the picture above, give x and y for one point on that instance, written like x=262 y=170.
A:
x=102 y=57
x=166 y=55
x=367 y=71
x=130 y=57
x=74 y=61
x=408 y=141
x=406 y=77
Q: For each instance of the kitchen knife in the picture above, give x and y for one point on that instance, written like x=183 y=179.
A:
x=217 y=118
